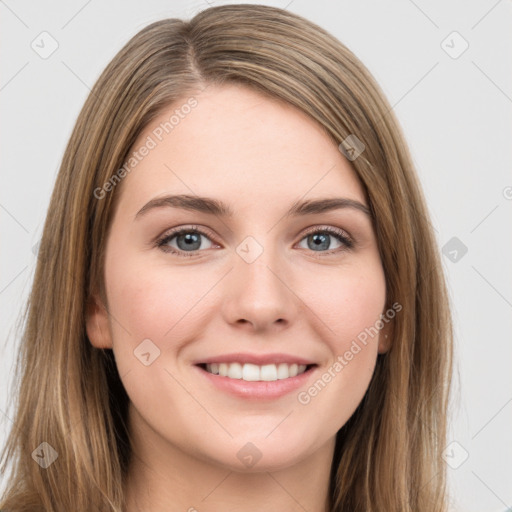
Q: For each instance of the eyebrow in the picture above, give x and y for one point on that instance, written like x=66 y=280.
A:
x=218 y=208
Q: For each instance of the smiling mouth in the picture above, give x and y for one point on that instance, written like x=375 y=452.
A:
x=256 y=373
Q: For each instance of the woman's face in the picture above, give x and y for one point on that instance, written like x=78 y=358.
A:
x=273 y=287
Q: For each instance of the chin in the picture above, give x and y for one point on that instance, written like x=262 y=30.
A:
x=263 y=453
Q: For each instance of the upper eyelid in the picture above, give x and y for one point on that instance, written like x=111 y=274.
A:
x=186 y=229
x=329 y=229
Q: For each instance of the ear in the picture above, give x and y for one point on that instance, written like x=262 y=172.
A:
x=97 y=323
x=385 y=337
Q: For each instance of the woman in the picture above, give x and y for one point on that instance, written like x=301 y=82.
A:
x=238 y=302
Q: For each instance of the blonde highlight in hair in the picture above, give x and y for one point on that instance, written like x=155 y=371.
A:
x=388 y=455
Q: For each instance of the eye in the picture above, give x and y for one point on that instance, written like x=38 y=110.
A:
x=188 y=241
x=184 y=241
x=320 y=240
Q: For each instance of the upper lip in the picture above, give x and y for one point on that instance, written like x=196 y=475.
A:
x=257 y=359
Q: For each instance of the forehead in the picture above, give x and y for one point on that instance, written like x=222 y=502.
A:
x=237 y=144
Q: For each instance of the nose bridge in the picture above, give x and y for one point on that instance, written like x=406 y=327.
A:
x=258 y=294
x=256 y=266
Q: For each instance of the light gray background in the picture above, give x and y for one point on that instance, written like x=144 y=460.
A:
x=456 y=113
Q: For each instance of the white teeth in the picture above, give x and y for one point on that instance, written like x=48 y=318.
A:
x=235 y=371
x=282 y=371
x=252 y=372
x=268 y=372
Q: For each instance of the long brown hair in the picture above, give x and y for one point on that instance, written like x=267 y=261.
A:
x=69 y=394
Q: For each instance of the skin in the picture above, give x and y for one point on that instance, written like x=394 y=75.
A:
x=259 y=156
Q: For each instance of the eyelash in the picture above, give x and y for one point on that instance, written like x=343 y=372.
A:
x=337 y=233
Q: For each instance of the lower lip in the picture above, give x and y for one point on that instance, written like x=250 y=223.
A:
x=258 y=389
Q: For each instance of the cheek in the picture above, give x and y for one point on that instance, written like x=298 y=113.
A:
x=154 y=302
x=350 y=309
x=348 y=302
x=164 y=307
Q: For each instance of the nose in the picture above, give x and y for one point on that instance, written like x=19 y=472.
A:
x=258 y=295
